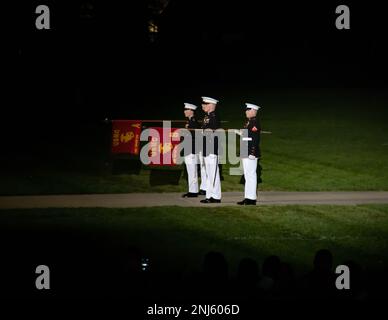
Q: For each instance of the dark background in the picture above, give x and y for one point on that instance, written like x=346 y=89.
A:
x=100 y=60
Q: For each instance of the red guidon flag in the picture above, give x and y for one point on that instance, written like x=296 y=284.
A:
x=126 y=136
x=162 y=151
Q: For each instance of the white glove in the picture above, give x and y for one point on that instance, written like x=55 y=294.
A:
x=252 y=157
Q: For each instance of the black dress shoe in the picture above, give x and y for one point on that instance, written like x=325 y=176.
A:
x=247 y=202
x=202 y=192
x=190 y=195
x=211 y=200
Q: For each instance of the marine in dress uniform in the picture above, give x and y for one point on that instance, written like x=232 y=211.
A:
x=252 y=142
x=210 y=151
x=191 y=156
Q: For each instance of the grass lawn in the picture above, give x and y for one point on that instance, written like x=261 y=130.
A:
x=176 y=239
x=321 y=140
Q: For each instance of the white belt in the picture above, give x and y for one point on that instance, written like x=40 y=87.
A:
x=246 y=139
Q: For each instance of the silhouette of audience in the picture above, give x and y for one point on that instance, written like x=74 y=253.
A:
x=277 y=280
x=320 y=282
x=135 y=278
x=214 y=278
x=271 y=268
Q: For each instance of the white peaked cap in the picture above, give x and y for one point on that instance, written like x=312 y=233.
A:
x=190 y=106
x=209 y=100
x=252 y=106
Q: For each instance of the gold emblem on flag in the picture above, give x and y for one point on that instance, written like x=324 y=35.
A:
x=128 y=136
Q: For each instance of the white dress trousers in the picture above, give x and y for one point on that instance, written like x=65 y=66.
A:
x=213 y=186
x=250 y=166
x=203 y=172
x=191 y=162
